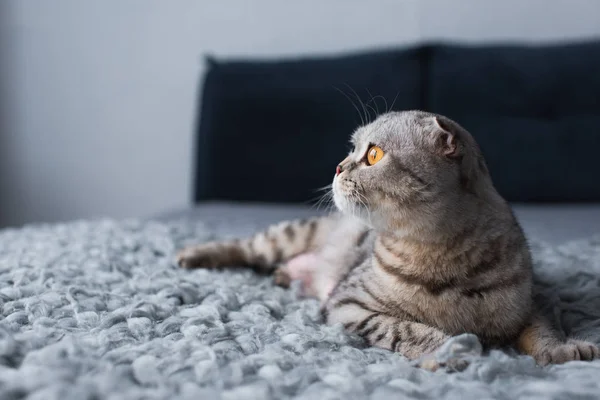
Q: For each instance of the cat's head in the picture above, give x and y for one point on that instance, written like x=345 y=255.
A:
x=409 y=167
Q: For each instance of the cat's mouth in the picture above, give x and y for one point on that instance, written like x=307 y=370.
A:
x=347 y=197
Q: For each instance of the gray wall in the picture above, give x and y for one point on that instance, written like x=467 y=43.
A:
x=97 y=98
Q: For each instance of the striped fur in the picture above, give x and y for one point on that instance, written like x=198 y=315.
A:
x=264 y=250
x=422 y=248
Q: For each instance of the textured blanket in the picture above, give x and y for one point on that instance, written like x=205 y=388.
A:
x=94 y=310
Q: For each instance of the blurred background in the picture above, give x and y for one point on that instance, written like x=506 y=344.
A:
x=99 y=100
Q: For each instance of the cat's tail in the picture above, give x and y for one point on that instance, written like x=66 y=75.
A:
x=263 y=251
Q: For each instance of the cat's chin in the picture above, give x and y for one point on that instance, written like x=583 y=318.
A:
x=352 y=209
x=342 y=203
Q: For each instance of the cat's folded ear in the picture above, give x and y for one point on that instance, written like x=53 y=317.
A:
x=455 y=143
x=446 y=139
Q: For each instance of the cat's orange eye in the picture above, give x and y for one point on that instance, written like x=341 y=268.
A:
x=374 y=155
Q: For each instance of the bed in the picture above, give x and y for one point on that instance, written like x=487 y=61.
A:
x=99 y=309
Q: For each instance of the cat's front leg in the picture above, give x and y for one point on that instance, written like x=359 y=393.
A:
x=379 y=329
x=411 y=339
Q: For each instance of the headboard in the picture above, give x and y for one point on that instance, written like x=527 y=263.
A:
x=274 y=130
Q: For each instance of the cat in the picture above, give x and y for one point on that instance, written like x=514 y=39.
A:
x=422 y=247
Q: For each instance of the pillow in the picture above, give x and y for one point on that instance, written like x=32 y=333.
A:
x=535 y=112
x=274 y=131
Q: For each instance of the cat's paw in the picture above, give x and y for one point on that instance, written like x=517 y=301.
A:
x=452 y=364
x=571 y=351
x=202 y=256
x=454 y=355
x=587 y=351
x=282 y=278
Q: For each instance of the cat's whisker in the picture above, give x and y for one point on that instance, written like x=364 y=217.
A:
x=373 y=98
x=376 y=109
x=329 y=204
x=362 y=120
x=355 y=203
x=386 y=104
x=368 y=214
x=317 y=202
x=362 y=199
x=393 y=102
x=359 y=101
x=324 y=188
x=351 y=205
x=324 y=201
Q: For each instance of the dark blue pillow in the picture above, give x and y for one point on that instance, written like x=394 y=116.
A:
x=270 y=131
x=274 y=131
x=535 y=112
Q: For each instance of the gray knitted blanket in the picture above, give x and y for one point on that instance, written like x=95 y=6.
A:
x=98 y=310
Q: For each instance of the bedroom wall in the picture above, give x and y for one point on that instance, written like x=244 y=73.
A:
x=97 y=99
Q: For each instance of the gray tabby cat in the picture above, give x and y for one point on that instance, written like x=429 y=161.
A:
x=422 y=248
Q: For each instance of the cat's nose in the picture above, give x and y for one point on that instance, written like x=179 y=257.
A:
x=338 y=169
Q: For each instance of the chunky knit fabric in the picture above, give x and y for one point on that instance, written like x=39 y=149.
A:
x=98 y=309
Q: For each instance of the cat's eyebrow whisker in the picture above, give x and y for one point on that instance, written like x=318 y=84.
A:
x=362 y=121
x=386 y=103
x=376 y=109
x=393 y=102
x=359 y=101
x=374 y=100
